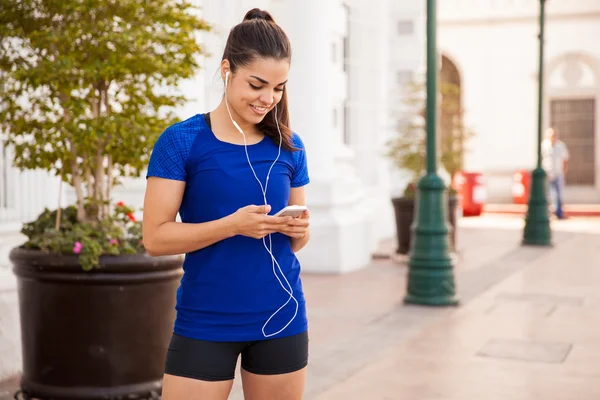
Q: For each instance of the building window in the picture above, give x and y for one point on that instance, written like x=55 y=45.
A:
x=346 y=40
x=406 y=27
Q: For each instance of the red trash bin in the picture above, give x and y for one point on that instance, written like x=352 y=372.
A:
x=471 y=187
x=521 y=187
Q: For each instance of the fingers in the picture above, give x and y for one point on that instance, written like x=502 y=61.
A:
x=295 y=234
x=258 y=209
x=305 y=215
x=280 y=223
x=299 y=222
x=293 y=231
x=263 y=232
x=274 y=221
x=265 y=224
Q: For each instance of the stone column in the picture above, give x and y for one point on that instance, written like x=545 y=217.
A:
x=372 y=79
x=340 y=230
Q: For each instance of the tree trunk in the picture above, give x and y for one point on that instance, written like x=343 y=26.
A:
x=109 y=183
x=89 y=181
x=99 y=183
x=78 y=183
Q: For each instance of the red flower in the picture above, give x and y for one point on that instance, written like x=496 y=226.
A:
x=131 y=217
x=121 y=204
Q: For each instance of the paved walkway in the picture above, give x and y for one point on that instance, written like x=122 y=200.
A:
x=527 y=327
x=532 y=335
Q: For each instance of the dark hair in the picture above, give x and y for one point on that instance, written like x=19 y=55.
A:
x=258 y=36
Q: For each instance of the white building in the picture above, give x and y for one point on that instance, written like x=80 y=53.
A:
x=494 y=46
x=351 y=58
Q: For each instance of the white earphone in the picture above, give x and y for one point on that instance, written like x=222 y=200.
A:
x=234 y=123
x=263 y=189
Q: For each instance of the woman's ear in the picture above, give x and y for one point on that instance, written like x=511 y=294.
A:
x=225 y=68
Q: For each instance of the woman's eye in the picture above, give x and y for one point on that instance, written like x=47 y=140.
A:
x=260 y=87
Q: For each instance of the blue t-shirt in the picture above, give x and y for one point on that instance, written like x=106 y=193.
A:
x=229 y=290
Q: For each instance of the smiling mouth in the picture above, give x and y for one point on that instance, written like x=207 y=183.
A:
x=260 y=110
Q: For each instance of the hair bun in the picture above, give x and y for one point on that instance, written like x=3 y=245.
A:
x=257 y=13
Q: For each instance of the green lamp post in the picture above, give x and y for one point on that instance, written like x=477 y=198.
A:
x=537 y=222
x=430 y=275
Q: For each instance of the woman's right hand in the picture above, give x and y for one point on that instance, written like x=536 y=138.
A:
x=253 y=221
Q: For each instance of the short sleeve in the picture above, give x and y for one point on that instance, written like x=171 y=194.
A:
x=300 y=175
x=170 y=153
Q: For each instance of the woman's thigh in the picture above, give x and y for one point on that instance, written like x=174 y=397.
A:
x=275 y=369
x=288 y=386
x=199 y=370
x=178 y=388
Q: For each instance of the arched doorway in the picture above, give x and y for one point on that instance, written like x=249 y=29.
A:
x=452 y=133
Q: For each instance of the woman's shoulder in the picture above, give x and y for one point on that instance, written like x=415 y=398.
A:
x=188 y=128
x=182 y=135
x=297 y=141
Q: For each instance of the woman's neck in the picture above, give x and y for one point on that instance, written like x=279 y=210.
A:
x=225 y=130
x=221 y=113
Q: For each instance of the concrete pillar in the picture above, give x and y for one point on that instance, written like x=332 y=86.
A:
x=340 y=239
x=372 y=80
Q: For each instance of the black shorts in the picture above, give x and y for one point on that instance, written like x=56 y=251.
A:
x=216 y=361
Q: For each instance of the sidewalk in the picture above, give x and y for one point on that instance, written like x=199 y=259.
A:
x=367 y=345
x=527 y=327
x=532 y=335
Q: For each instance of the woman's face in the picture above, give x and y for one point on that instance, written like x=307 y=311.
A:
x=254 y=90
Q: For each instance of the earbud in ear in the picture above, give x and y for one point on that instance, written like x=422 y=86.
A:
x=226 y=78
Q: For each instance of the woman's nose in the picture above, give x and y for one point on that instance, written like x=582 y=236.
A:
x=266 y=98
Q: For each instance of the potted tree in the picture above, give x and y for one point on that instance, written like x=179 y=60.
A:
x=86 y=88
x=407 y=151
x=453 y=137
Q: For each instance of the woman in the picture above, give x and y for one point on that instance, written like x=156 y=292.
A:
x=226 y=173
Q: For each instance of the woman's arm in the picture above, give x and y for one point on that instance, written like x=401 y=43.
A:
x=164 y=236
x=298 y=228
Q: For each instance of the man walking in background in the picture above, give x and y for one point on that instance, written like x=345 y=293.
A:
x=555 y=157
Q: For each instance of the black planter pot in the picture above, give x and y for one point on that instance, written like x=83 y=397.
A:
x=404 y=210
x=94 y=335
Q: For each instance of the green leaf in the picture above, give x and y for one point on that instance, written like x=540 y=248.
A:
x=83 y=82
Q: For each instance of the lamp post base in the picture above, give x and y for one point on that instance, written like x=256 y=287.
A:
x=430 y=274
x=537 y=222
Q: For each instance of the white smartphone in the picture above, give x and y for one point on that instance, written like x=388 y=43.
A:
x=291 y=211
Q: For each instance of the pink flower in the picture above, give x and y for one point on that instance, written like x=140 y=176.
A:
x=77 y=247
x=113 y=241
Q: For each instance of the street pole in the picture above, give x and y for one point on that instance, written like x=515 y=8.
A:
x=537 y=222
x=430 y=274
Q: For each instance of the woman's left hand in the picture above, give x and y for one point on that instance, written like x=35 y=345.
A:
x=297 y=228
